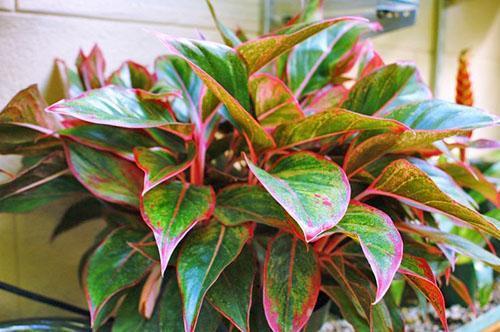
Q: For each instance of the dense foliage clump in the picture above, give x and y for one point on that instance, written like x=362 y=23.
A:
x=247 y=185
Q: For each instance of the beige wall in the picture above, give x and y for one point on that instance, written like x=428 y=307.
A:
x=33 y=32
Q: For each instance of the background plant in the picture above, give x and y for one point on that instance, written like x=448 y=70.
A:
x=247 y=185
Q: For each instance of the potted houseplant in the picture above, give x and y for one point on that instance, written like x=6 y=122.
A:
x=247 y=185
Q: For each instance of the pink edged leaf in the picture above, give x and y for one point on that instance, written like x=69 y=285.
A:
x=313 y=190
x=159 y=164
x=419 y=274
x=70 y=80
x=363 y=154
x=120 y=141
x=274 y=103
x=403 y=85
x=91 y=68
x=171 y=210
x=231 y=294
x=204 y=255
x=117 y=106
x=370 y=60
x=258 y=52
x=330 y=122
x=407 y=183
x=291 y=283
x=106 y=176
x=327 y=98
x=312 y=64
x=26 y=109
x=219 y=67
x=114 y=266
x=379 y=239
x=472 y=178
x=133 y=76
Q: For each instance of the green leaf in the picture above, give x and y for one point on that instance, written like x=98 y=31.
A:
x=441 y=115
x=331 y=96
x=117 y=106
x=171 y=210
x=177 y=74
x=258 y=52
x=328 y=123
x=91 y=68
x=379 y=239
x=20 y=140
x=167 y=315
x=159 y=164
x=224 y=74
x=204 y=254
x=291 y=282
x=385 y=89
x=70 y=80
x=313 y=190
x=114 y=266
x=104 y=175
x=310 y=64
x=231 y=294
x=238 y=204
x=119 y=141
x=407 y=183
x=77 y=214
x=274 y=103
x=341 y=298
x=38 y=185
x=133 y=76
x=470 y=177
x=418 y=273
x=458 y=243
x=229 y=37
x=410 y=141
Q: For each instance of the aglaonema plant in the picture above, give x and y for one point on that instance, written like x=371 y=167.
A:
x=246 y=185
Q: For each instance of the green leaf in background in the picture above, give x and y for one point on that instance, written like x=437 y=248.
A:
x=310 y=64
x=379 y=239
x=159 y=164
x=108 y=177
x=119 y=141
x=133 y=76
x=117 y=106
x=291 y=282
x=205 y=253
x=79 y=213
x=219 y=67
x=274 y=103
x=470 y=177
x=419 y=274
x=230 y=38
x=71 y=82
x=114 y=266
x=407 y=183
x=238 y=204
x=458 y=243
x=176 y=73
x=260 y=51
x=312 y=189
x=328 y=123
x=171 y=210
x=347 y=309
x=91 y=68
x=231 y=294
x=441 y=115
x=46 y=181
x=385 y=89
x=167 y=315
x=20 y=140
